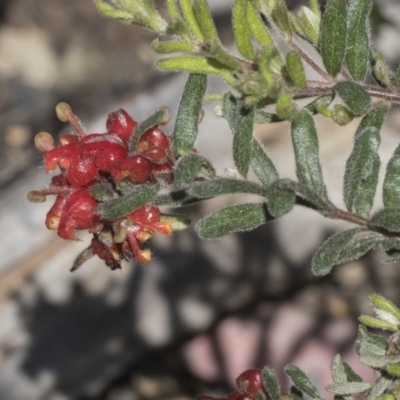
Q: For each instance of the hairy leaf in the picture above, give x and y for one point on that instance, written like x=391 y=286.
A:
x=197 y=65
x=117 y=208
x=301 y=381
x=242 y=141
x=328 y=255
x=379 y=388
x=354 y=96
x=178 y=198
x=362 y=168
x=271 y=384
x=295 y=68
x=222 y=186
x=357 y=47
x=257 y=25
x=391 y=184
x=171 y=46
x=190 y=18
x=332 y=41
x=261 y=164
x=236 y=218
x=187 y=120
x=241 y=29
x=388 y=219
x=150 y=122
x=369 y=343
x=342 y=389
x=205 y=20
x=190 y=167
x=305 y=143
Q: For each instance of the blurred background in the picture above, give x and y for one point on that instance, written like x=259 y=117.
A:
x=201 y=312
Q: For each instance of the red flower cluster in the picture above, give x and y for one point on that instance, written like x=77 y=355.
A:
x=89 y=160
x=249 y=387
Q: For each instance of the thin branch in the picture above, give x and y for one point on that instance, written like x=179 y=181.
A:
x=336 y=213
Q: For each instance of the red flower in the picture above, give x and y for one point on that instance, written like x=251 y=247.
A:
x=86 y=160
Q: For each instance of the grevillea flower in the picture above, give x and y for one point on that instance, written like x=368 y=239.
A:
x=249 y=385
x=86 y=161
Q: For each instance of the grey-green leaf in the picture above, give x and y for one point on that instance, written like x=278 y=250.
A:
x=147 y=124
x=328 y=254
x=354 y=96
x=242 y=141
x=190 y=167
x=306 y=150
x=178 y=198
x=362 y=168
x=222 y=186
x=117 y=208
x=261 y=164
x=379 y=388
x=388 y=219
x=391 y=184
x=236 y=218
x=343 y=389
x=374 y=118
x=187 y=120
x=281 y=199
x=332 y=42
x=370 y=343
x=301 y=381
x=271 y=384
x=357 y=47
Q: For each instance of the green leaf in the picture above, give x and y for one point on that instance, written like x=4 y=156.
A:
x=305 y=144
x=242 y=141
x=281 y=199
x=301 y=381
x=102 y=191
x=240 y=121
x=378 y=323
x=257 y=26
x=384 y=304
x=280 y=15
x=343 y=389
x=140 y=195
x=150 y=122
x=190 y=18
x=354 y=96
x=298 y=189
x=178 y=222
x=388 y=219
x=391 y=184
x=374 y=118
x=171 y=46
x=320 y=104
x=190 y=167
x=358 y=47
x=295 y=393
x=370 y=343
x=173 y=9
x=360 y=246
x=328 y=254
x=295 y=68
x=286 y=107
x=178 y=198
x=309 y=23
x=362 y=168
x=236 y=218
x=205 y=20
x=271 y=384
x=351 y=375
x=261 y=164
x=222 y=186
x=332 y=41
x=187 y=120
x=378 y=388
x=241 y=29
x=197 y=65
